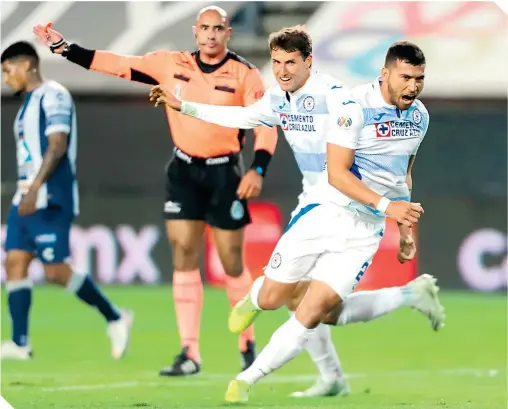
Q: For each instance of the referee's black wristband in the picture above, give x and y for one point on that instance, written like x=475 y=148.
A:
x=79 y=55
x=261 y=160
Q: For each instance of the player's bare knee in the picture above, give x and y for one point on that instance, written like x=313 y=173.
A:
x=274 y=295
x=58 y=273
x=185 y=255
x=232 y=261
x=319 y=301
x=297 y=295
x=16 y=266
x=230 y=248
x=333 y=316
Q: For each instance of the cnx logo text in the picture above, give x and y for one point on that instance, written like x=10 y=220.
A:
x=121 y=255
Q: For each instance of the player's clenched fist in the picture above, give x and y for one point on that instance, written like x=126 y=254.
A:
x=49 y=37
x=159 y=95
x=405 y=213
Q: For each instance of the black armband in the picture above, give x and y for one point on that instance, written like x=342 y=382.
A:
x=261 y=160
x=79 y=55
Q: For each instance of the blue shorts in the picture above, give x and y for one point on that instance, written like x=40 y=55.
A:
x=45 y=233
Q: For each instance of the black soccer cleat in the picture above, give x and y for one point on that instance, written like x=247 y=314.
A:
x=183 y=366
x=248 y=357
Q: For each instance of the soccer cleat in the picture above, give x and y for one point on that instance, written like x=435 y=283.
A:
x=10 y=350
x=424 y=299
x=182 y=366
x=238 y=392
x=249 y=355
x=119 y=333
x=338 y=387
x=242 y=316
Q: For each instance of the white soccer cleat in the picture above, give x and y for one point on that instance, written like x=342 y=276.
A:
x=119 y=332
x=10 y=350
x=339 y=387
x=425 y=299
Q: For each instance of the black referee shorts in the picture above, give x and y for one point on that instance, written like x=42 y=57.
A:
x=205 y=189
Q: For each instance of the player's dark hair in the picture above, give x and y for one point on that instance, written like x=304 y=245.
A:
x=21 y=49
x=291 y=39
x=406 y=52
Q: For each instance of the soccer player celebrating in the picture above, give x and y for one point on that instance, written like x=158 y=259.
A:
x=344 y=137
x=46 y=202
x=204 y=178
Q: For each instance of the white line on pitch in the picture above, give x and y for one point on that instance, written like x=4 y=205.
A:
x=211 y=378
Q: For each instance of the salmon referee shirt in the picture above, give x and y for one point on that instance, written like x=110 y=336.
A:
x=234 y=81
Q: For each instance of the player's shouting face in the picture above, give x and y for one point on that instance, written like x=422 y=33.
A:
x=405 y=82
x=291 y=70
x=212 y=33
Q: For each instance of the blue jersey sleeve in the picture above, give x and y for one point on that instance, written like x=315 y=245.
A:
x=58 y=107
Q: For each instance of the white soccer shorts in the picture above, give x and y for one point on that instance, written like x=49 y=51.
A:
x=329 y=243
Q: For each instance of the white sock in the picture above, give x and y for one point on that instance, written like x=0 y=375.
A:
x=367 y=305
x=322 y=352
x=255 y=289
x=286 y=343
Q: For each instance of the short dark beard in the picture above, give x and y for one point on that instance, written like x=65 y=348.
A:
x=391 y=92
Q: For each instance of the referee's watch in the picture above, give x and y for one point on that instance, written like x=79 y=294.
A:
x=65 y=43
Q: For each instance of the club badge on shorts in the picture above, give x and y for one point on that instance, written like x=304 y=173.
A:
x=276 y=261
x=237 y=211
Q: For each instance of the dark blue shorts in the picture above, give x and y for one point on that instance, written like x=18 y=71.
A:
x=45 y=233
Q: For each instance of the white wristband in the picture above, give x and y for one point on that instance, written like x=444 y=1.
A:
x=383 y=204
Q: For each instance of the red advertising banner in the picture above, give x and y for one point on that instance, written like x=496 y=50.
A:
x=386 y=271
x=261 y=236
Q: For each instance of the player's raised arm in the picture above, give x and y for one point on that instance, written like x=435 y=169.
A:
x=147 y=69
x=240 y=117
x=266 y=136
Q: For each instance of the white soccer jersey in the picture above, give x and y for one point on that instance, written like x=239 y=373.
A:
x=304 y=116
x=46 y=110
x=383 y=144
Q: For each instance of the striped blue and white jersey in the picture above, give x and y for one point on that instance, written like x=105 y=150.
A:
x=47 y=109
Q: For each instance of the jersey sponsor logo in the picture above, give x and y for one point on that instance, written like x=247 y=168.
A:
x=383 y=130
x=309 y=103
x=217 y=161
x=348 y=102
x=45 y=238
x=299 y=123
x=284 y=121
x=403 y=129
x=344 y=122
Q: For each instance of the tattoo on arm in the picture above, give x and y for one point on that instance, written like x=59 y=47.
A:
x=56 y=150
